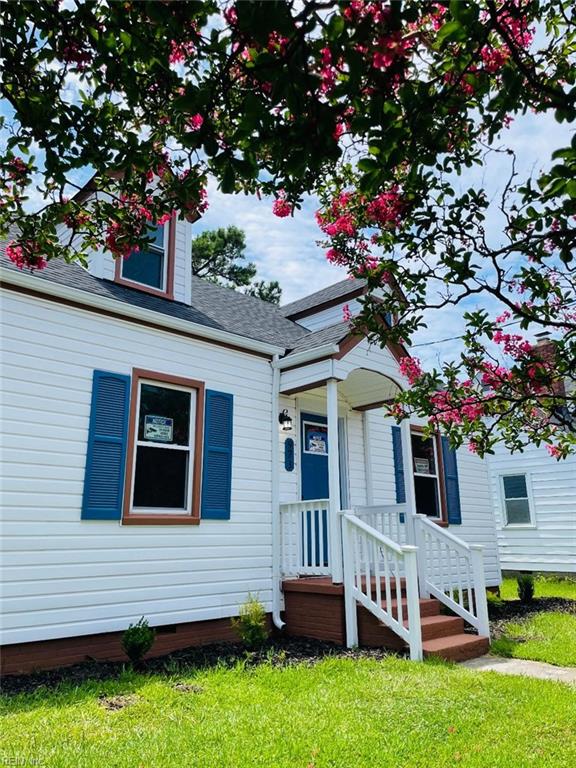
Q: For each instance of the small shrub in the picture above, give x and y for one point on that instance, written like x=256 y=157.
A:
x=525 y=583
x=251 y=623
x=495 y=603
x=137 y=640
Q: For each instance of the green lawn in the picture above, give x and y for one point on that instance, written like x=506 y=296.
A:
x=545 y=586
x=340 y=713
x=547 y=636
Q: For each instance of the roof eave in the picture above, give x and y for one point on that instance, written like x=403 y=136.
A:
x=131 y=312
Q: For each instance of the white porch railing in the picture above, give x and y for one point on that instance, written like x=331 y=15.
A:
x=388 y=519
x=372 y=563
x=453 y=572
x=305 y=538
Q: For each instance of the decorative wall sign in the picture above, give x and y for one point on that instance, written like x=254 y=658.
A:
x=316 y=438
x=289 y=454
x=158 y=429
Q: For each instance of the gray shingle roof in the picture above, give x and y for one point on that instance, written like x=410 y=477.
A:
x=331 y=335
x=212 y=306
x=336 y=291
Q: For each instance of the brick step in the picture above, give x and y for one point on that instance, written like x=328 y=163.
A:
x=456 y=647
x=434 y=627
x=393 y=585
x=429 y=606
x=374 y=634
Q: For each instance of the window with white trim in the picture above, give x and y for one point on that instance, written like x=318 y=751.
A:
x=426 y=475
x=164 y=449
x=516 y=500
x=148 y=266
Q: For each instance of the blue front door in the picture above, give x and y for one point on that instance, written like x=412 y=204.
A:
x=314 y=456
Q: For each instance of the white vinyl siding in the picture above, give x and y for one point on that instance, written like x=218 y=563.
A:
x=63 y=576
x=549 y=543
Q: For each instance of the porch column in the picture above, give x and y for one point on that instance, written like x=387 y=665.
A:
x=334 y=480
x=408 y=481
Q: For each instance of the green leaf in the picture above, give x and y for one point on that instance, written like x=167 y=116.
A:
x=367 y=164
x=452 y=31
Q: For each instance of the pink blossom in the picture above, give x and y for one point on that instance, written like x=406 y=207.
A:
x=281 y=207
x=397 y=411
x=386 y=208
x=25 y=254
x=180 y=51
x=195 y=122
x=411 y=368
x=503 y=317
x=346 y=314
x=17 y=169
x=230 y=15
x=344 y=225
x=554 y=451
x=391 y=47
x=336 y=257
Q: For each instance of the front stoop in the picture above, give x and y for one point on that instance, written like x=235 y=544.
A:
x=314 y=608
x=460 y=647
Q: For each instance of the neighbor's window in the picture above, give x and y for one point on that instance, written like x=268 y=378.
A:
x=426 y=475
x=516 y=500
x=149 y=265
x=165 y=435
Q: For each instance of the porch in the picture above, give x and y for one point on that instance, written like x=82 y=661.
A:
x=374 y=574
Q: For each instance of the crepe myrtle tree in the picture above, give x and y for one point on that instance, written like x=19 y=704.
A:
x=374 y=107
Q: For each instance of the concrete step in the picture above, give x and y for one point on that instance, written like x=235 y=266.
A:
x=456 y=647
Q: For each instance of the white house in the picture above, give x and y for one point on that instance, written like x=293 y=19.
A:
x=534 y=498
x=170 y=446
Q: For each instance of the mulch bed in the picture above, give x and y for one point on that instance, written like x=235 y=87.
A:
x=514 y=610
x=280 y=652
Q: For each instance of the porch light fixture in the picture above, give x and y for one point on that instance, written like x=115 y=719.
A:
x=285 y=421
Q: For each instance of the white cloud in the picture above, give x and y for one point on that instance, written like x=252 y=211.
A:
x=282 y=249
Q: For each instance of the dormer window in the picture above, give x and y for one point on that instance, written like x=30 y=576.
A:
x=151 y=269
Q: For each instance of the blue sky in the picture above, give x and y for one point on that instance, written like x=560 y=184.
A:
x=286 y=249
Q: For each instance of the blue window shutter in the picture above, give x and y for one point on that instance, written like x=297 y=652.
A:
x=451 y=483
x=398 y=465
x=107 y=438
x=217 y=460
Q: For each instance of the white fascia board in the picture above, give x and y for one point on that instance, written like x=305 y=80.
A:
x=129 y=311
x=307 y=356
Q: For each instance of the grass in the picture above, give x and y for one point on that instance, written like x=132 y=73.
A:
x=546 y=636
x=545 y=586
x=349 y=713
x=549 y=637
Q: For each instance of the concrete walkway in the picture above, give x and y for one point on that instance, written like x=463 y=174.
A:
x=522 y=667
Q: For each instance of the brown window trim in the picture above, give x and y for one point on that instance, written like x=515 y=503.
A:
x=133 y=518
x=442 y=521
x=170 y=256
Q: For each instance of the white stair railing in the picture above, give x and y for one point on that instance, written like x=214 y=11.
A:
x=452 y=571
x=372 y=563
x=388 y=519
x=305 y=538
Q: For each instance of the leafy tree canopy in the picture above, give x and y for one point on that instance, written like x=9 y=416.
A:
x=375 y=107
x=218 y=256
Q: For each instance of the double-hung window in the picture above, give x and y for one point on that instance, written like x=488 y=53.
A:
x=148 y=265
x=516 y=499
x=151 y=269
x=427 y=472
x=164 y=462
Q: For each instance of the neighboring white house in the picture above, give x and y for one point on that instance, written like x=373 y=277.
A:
x=534 y=498
x=149 y=467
